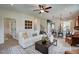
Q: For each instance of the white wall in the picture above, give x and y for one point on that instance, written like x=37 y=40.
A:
x=1 y=31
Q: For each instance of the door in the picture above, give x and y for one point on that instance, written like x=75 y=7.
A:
x=9 y=28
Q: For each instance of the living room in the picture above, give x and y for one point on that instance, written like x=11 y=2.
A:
x=29 y=23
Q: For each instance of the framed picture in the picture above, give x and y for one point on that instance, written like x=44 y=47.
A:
x=28 y=24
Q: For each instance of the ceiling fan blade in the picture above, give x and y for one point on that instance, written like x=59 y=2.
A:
x=46 y=11
x=48 y=7
x=40 y=6
x=36 y=10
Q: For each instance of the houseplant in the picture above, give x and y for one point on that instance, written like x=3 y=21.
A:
x=44 y=40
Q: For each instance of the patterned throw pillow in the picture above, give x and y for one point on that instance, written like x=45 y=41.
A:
x=25 y=35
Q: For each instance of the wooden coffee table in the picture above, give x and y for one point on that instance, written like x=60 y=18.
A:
x=43 y=48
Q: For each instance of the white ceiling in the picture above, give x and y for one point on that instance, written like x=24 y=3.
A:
x=64 y=10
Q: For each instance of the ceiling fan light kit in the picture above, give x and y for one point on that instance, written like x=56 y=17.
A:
x=41 y=11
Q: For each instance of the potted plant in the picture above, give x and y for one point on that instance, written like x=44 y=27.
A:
x=44 y=40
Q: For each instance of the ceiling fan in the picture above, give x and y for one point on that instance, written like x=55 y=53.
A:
x=43 y=8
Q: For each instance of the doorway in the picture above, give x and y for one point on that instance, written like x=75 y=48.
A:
x=9 y=28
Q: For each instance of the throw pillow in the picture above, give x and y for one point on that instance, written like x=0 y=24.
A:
x=35 y=34
x=25 y=35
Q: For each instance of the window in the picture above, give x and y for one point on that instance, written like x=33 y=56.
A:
x=66 y=25
x=28 y=24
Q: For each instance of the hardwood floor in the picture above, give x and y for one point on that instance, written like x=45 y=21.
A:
x=10 y=43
